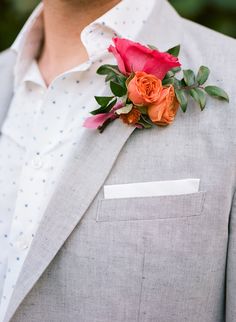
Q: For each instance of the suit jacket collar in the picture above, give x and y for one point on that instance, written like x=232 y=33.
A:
x=7 y=62
x=82 y=180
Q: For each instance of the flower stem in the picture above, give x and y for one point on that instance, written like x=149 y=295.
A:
x=102 y=127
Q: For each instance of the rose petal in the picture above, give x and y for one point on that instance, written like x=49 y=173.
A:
x=93 y=122
x=134 y=55
x=119 y=59
x=135 y=59
x=160 y=63
x=139 y=126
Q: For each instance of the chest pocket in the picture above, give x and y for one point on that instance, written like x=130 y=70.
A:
x=151 y=208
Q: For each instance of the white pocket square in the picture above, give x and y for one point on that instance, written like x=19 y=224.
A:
x=151 y=189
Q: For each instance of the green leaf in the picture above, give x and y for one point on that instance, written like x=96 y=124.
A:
x=203 y=75
x=117 y=89
x=103 y=100
x=111 y=77
x=182 y=99
x=174 y=51
x=142 y=109
x=176 y=70
x=168 y=81
x=177 y=83
x=124 y=110
x=112 y=73
x=131 y=76
x=116 y=78
x=104 y=109
x=199 y=96
x=172 y=73
x=217 y=92
x=169 y=74
x=145 y=122
x=189 y=77
x=182 y=83
x=121 y=80
x=107 y=69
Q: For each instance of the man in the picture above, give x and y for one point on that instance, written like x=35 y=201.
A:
x=69 y=251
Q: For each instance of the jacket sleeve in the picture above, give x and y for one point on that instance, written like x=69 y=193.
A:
x=231 y=267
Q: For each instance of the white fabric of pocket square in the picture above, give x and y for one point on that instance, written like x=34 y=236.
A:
x=151 y=189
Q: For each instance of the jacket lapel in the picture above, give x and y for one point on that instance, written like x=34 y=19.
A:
x=6 y=80
x=86 y=173
x=84 y=177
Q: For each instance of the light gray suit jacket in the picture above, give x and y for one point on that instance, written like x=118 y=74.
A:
x=156 y=259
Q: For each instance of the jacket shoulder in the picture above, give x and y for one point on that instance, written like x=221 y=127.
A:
x=7 y=58
x=213 y=39
x=218 y=52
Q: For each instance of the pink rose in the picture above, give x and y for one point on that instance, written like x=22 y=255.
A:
x=133 y=57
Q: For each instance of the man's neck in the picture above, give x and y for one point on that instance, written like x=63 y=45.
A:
x=63 y=22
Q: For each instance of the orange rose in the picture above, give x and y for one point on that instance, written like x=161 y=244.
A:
x=164 y=110
x=132 y=117
x=144 y=89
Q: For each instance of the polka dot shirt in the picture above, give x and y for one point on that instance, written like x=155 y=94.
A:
x=44 y=126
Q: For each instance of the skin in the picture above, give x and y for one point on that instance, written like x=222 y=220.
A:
x=64 y=20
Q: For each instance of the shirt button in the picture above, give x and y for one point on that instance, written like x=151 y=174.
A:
x=37 y=162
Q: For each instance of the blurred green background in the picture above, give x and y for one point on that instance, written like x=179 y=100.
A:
x=216 y=14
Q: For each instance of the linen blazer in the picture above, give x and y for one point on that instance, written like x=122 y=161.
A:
x=149 y=259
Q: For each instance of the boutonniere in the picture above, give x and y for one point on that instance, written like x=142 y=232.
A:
x=145 y=89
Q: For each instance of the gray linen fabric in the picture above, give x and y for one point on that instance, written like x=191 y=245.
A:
x=155 y=259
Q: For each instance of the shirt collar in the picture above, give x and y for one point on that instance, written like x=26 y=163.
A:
x=126 y=20
x=27 y=44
